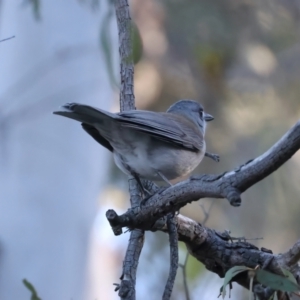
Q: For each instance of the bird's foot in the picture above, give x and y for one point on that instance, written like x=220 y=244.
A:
x=213 y=156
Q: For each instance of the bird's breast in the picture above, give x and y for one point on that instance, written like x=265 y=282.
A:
x=179 y=163
x=151 y=157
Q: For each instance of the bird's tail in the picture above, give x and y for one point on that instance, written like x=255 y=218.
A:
x=85 y=114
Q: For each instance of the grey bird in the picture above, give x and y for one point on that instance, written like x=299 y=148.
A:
x=159 y=146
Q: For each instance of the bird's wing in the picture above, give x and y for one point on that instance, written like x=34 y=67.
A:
x=164 y=126
x=92 y=131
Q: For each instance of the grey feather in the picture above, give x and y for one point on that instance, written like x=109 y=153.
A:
x=164 y=126
x=148 y=144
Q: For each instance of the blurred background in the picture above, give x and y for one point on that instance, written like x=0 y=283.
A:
x=239 y=58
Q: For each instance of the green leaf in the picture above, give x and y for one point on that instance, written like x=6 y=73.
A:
x=105 y=41
x=137 y=45
x=276 y=282
x=229 y=276
x=289 y=275
x=30 y=287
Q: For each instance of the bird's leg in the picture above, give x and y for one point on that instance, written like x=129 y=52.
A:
x=213 y=156
x=162 y=176
x=137 y=178
x=144 y=191
x=167 y=181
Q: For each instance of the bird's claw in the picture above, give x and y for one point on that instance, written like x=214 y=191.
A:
x=213 y=156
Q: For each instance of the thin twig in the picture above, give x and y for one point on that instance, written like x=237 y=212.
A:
x=173 y=236
x=207 y=212
x=184 y=266
x=9 y=38
x=244 y=239
x=185 y=285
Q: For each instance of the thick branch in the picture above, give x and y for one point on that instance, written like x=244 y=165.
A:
x=218 y=253
x=215 y=250
x=228 y=185
x=292 y=256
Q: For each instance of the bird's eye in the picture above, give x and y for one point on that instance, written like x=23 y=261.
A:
x=201 y=114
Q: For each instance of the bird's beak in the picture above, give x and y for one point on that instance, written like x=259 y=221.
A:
x=208 y=117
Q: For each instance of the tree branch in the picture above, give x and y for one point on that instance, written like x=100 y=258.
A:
x=215 y=250
x=291 y=257
x=228 y=185
x=125 y=51
x=218 y=254
x=136 y=241
x=6 y=39
x=172 y=230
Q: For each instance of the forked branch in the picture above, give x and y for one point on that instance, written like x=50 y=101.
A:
x=229 y=185
x=215 y=250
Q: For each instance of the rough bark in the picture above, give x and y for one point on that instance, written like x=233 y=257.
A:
x=216 y=250
x=136 y=240
x=229 y=185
